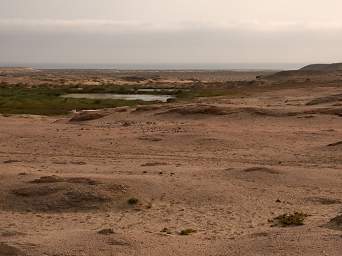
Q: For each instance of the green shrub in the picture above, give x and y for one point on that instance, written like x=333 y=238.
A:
x=294 y=219
x=133 y=201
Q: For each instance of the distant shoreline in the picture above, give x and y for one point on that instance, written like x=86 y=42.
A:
x=238 y=67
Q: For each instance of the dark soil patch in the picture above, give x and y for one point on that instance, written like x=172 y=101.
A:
x=35 y=191
x=323 y=200
x=153 y=164
x=261 y=170
x=48 y=179
x=197 y=109
x=339 y=143
x=106 y=231
x=86 y=116
x=10 y=161
x=324 y=100
x=335 y=223
x=221 y=110
x=57 y=179
x=11 y=233
x=326 y=111
x=65 y=195
x=147 y=108
x=152 y=139
x=8 y=250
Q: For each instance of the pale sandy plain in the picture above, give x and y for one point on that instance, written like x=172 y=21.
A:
x=220 y=166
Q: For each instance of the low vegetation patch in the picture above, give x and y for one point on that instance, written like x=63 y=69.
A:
x=106 y=231
x=188 y=231
x=133 y=201
x=289 y=219
x=47 y=101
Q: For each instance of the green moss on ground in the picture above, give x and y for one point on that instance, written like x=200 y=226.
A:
x=47 y=101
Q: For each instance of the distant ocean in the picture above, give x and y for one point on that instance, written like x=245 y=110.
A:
x=161 y=66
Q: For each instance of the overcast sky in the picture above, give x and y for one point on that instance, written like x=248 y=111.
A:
x=170 y=31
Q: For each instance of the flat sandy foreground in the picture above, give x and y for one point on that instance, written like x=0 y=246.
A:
x=221 y=167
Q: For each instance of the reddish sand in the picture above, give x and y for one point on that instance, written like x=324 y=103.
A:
x=189 y=167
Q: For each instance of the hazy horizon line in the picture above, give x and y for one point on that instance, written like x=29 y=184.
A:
x=161 y=65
